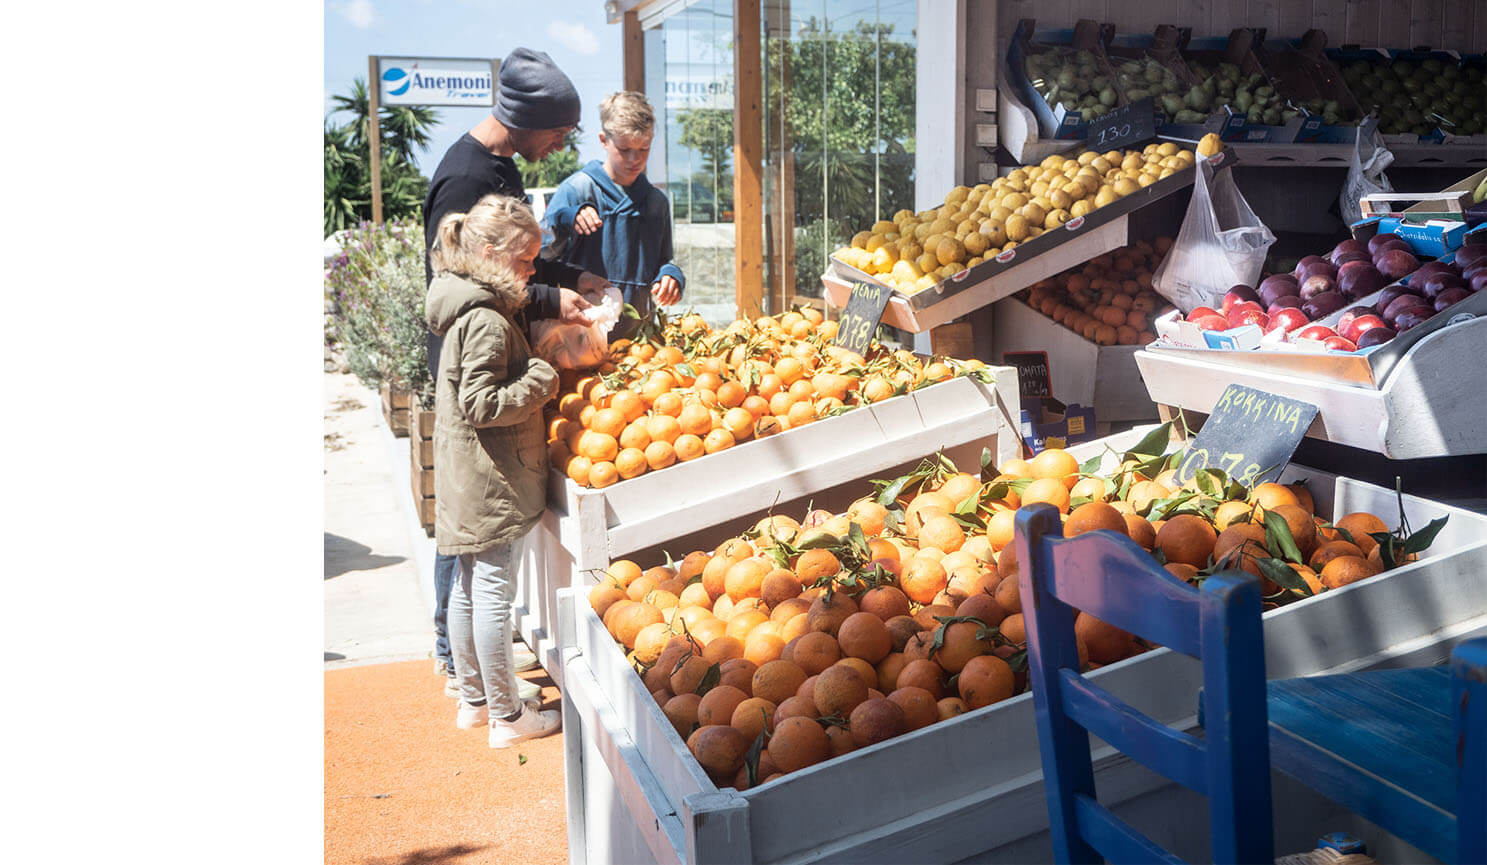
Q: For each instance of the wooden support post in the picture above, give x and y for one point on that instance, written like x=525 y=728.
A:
x=780 y=160
x=374 y=134
x=748 y=147
x=633 y=50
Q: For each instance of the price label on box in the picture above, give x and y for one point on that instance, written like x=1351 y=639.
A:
x=1251 y=435
x=1126 y=126
x=860 y=318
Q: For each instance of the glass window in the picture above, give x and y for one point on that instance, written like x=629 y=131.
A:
x=839 y=129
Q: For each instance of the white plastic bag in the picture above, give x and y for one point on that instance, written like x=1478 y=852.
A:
x=578 y=346
x=1222 y=243
x=1365 y=172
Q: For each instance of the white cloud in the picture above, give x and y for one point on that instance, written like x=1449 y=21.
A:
x=359 y=12
x=576 y=37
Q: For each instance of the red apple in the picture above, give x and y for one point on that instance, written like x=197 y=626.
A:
x=1339 y=343
x=1359 y=325
x=1316 y=331
x=1213 y=322
x=1239 y=294
x=1247 y=313
x=1287 y=319
x=1201 y=311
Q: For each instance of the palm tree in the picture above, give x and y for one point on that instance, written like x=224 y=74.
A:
x=345 y=180
x=404 y=127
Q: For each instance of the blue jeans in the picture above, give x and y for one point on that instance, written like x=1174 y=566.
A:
x=480 y=628
x=443 y=579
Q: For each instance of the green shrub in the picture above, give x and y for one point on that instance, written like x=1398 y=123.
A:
x=376 y=286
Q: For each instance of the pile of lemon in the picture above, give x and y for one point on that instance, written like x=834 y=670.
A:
x=914 y=251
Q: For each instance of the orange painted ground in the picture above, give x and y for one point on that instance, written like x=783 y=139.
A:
x=447 y=796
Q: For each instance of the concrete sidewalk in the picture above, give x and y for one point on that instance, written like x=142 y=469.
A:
x=379 y=593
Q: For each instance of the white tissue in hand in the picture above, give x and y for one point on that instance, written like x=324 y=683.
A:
x=606 y=313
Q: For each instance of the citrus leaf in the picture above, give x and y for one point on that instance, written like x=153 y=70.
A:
x=1018 y=661
x=751 y=759
x=985 y=458
x=1278 y=539
x=1091 y=465
x=521 y=759
x=1421 y=540
x=1153 y=444
x=1280 y=573
x=710 y=679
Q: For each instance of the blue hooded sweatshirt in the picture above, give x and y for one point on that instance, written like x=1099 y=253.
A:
x=632 y=249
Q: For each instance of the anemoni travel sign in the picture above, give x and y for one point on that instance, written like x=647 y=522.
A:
x=436 y=81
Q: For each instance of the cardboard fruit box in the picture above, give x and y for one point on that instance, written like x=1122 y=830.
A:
x=972 y=785
x=1056 y=121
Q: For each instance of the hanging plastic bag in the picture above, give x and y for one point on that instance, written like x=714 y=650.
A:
x=1222 y=243
x=1365 y=170
x=579 y=346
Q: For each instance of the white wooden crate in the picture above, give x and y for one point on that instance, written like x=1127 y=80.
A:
x=1430 y=404
x=584 y=529
x=972 y=784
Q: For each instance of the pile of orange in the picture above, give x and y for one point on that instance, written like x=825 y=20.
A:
x=1109 y=299
x=823 y=640
x=694 y=391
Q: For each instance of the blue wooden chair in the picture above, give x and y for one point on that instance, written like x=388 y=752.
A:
x=1406 y=748
x=1113 y=579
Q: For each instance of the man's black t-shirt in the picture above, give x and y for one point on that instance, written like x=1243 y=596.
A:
x=467 y=173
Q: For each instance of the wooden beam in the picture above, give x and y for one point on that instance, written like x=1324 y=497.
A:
x=634 y=52
x=748 y=162
x=779 y=163
x=374 y=134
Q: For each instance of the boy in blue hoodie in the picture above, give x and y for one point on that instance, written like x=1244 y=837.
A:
x=609 y=220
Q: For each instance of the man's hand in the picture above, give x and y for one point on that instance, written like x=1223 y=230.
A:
x=667 y=290
x=592 y=284
x=571 y=306
x=587 y=220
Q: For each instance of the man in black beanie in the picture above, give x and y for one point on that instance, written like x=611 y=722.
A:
x=536 y=107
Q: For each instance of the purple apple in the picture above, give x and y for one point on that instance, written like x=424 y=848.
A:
x=1290 y=301
x=1388 y=295
x=1474 y=268
x=1400 y=245
x=1413 y=317
x=1316 y=284
x=1325 y=268
x=1395 y=264
x=1374 y=336
x=1450 y=297
x=1439 y=282
x=1300 y=269
x=1348 y=247
x=1429 y=267
x=1478 y=280
x=1400 y=304
x=1359 y=279
x=1278 y=285
x=1470 y=252
x=1323 y=304
x=1344 y=257
x=1379 y=240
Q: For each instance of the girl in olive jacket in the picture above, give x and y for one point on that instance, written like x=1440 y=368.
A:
x=490 y=454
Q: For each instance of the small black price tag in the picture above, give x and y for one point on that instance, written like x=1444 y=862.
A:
x=1124 y=127
x=860 y=318
x=1251 y=435
x=1032 y=373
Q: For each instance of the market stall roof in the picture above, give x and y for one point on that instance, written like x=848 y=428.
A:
x=649 y=11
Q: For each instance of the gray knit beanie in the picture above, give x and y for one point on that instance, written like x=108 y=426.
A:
x=533 y=93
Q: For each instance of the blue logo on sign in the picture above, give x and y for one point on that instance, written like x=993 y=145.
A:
x=397 y=81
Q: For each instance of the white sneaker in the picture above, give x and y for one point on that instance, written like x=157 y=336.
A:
x=452 y=687
x=527 y=690
x=523 y=659
x=470 y=717
x=530 y=725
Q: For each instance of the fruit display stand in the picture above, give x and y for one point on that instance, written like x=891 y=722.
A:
x=972 y=785
x=585 y=528
x=1056 y=250
x=1426 y=404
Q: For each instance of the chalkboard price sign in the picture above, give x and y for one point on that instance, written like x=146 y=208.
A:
x=860 y=319
x=1032 y=372
x=1251 y=435
x=1124 y=127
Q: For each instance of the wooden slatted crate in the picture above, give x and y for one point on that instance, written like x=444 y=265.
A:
x=395 y=401
x=421 y=452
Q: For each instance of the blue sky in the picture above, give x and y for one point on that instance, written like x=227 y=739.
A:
x=573 y=32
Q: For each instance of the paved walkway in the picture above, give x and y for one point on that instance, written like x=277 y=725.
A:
x=378 y=601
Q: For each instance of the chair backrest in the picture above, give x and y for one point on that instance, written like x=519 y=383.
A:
x=1469 y=708
x=1110 y=577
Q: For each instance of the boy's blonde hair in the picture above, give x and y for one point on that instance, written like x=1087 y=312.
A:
x=499 y=220
x=626 y=113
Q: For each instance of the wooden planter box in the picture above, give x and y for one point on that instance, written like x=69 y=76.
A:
x=421 y=449
x=395 y=402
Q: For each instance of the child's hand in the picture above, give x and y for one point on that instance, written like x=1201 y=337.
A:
x=667 y=291
x=587 y=220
